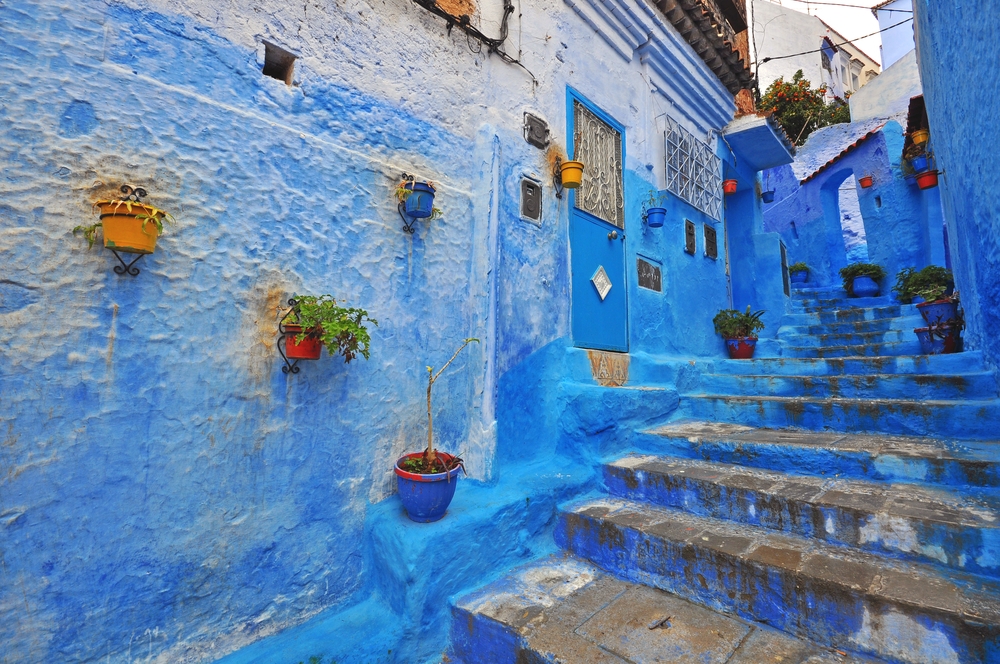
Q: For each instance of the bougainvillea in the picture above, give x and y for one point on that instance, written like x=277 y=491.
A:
x=799 y=108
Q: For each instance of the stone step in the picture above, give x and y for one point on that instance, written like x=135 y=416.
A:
x=953 y=363
x=966 y=419
x=563 y=609
x=901 y=612
x=978 y=385
x=830 y=302
x=898 y=459
x=846 y=338
x=908 y=347
x=855 y=327
x=907 y=522
x=852 y=315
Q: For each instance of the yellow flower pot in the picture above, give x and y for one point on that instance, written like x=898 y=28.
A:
x=920 y=136
x=129 y=227
x=572 y=174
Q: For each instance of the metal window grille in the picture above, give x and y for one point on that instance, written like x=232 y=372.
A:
x=599 y=147
x=694 y=172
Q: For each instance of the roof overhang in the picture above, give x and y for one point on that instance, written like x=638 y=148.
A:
x=759 y=141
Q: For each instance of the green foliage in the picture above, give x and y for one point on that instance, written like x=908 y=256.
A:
x=798 y=267
x=733 y=324
x=341 y=329
x=847 y=274
x=799 y=108
x=150 y=215
x=655 y=199
x=930 y=283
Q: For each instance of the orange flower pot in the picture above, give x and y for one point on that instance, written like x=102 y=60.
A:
x=572 y=174
x=866 y=181
x=729 y=186
x=927 y=180
x=307 y=349
x=920 y=136
x=129 y=227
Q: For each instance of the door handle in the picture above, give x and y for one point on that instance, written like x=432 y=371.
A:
x=613 y=235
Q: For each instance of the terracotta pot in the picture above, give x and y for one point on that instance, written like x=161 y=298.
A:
x=123 y=229
x=308 y=349
x=729 y=186
x=920 y=136
x=741 y=348
x=866 y=181
x=572 y=174
x=927 y=180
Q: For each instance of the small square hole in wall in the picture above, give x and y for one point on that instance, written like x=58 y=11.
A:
x=278 y=63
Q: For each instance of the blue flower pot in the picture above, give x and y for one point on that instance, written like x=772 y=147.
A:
x=419 y=204
x=767 y=196
x=940 y=340
x=654 y=217
x=939 y=312
x=799 y=276
x=426 y=497
x=919 y=163
x=864 y=287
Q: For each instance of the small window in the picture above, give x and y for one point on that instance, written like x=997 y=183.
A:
x=278 y=63
x=711 y=243
x=690 y=241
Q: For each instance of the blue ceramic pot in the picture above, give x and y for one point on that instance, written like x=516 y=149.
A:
x=767 y=196
x=941 y=340
x=939 y=312
x=919 y=163
x=654 y=217
x=799 y=276
x=426 y=497
x=419 y=204
x=864 y=287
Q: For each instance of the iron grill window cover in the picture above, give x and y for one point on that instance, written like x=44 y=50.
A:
x=599 y=147
x=694 y=171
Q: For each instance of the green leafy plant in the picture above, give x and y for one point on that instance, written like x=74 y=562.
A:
x=150 y=215
x=655 y=199
x=798 y=267
x=733 y=324
x=405 y=188
x=430 y=462
x=847 y=274
x=930 y=283
x=800 y=109
x=341 y=329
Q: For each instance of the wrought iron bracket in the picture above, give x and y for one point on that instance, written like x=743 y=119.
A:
x=293 y=366
x=126 y=268
x=407 y=222
x=557 y=182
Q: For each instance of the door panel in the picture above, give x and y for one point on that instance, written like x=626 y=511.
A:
x=596 y=231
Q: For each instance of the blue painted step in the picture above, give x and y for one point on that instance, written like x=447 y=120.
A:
x=955 y=363
x=907 y=347
x=959 y=419
x=843 y=315
x=847 y=338
x=978 y=385
x=901 y=612
x=874 y=458
x=905 y=522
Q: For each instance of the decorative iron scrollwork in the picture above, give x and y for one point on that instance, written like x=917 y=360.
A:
x=290 y=367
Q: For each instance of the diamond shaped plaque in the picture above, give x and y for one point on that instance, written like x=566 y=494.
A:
x=601 y=282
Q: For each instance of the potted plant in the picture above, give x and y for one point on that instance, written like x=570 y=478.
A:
x=739 y=329
x=861 y=279
x=426 y=480
x=653 y=211
x=920 y=136
x=912 y=283
x=939 y=307
x=317 y=321
x=127 y=224
x=416 y=199
x=729 y=187
x=798 y=273
x=927 y=179
x=866 y=181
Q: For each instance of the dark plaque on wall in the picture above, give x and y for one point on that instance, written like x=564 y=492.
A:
x=689 y=238
x=649 y=275
x=711 y=242
x=531 y=200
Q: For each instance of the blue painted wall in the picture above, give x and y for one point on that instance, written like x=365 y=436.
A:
x=955 y=56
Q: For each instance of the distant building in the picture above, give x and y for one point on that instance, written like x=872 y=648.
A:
x=825 y=56
x=897 y=31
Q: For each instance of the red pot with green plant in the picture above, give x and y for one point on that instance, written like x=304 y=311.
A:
x=317 y=321
x=739 y=330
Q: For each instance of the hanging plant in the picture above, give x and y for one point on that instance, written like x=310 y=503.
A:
x=127 y=224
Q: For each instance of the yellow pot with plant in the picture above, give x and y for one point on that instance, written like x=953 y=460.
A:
x=128 y=225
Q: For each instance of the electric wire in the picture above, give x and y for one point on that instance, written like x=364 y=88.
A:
x=849 y=41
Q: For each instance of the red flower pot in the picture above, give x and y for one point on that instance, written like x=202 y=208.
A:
x=866 y=181
x=741 y=348
x=729 y=186
x=927 y=180
x=308 y=349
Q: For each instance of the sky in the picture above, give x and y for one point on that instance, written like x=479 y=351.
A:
x=848 y=21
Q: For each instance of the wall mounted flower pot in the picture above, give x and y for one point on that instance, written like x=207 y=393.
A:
x=866 y=181
x=767 y=196
x=308 y=349
x=426 y=497
x=572 y=174
x=927 y=180
x=655 y=216
x=940 y=339
x=939 y=312
x=919 y=164
x=799 y=276
x=420 y=203
x=729 y=186
x=741 y=348
x=864 y=286
x=125 y=231
x=920 y=136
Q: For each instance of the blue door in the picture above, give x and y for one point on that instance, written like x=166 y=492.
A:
x=597 y=229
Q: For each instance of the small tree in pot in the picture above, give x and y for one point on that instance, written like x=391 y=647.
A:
x=739 y=329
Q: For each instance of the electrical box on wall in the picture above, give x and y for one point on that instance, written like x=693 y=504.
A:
x=536 y=131
x=531 y=200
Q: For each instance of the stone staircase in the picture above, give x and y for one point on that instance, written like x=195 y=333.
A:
x=836 y=502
